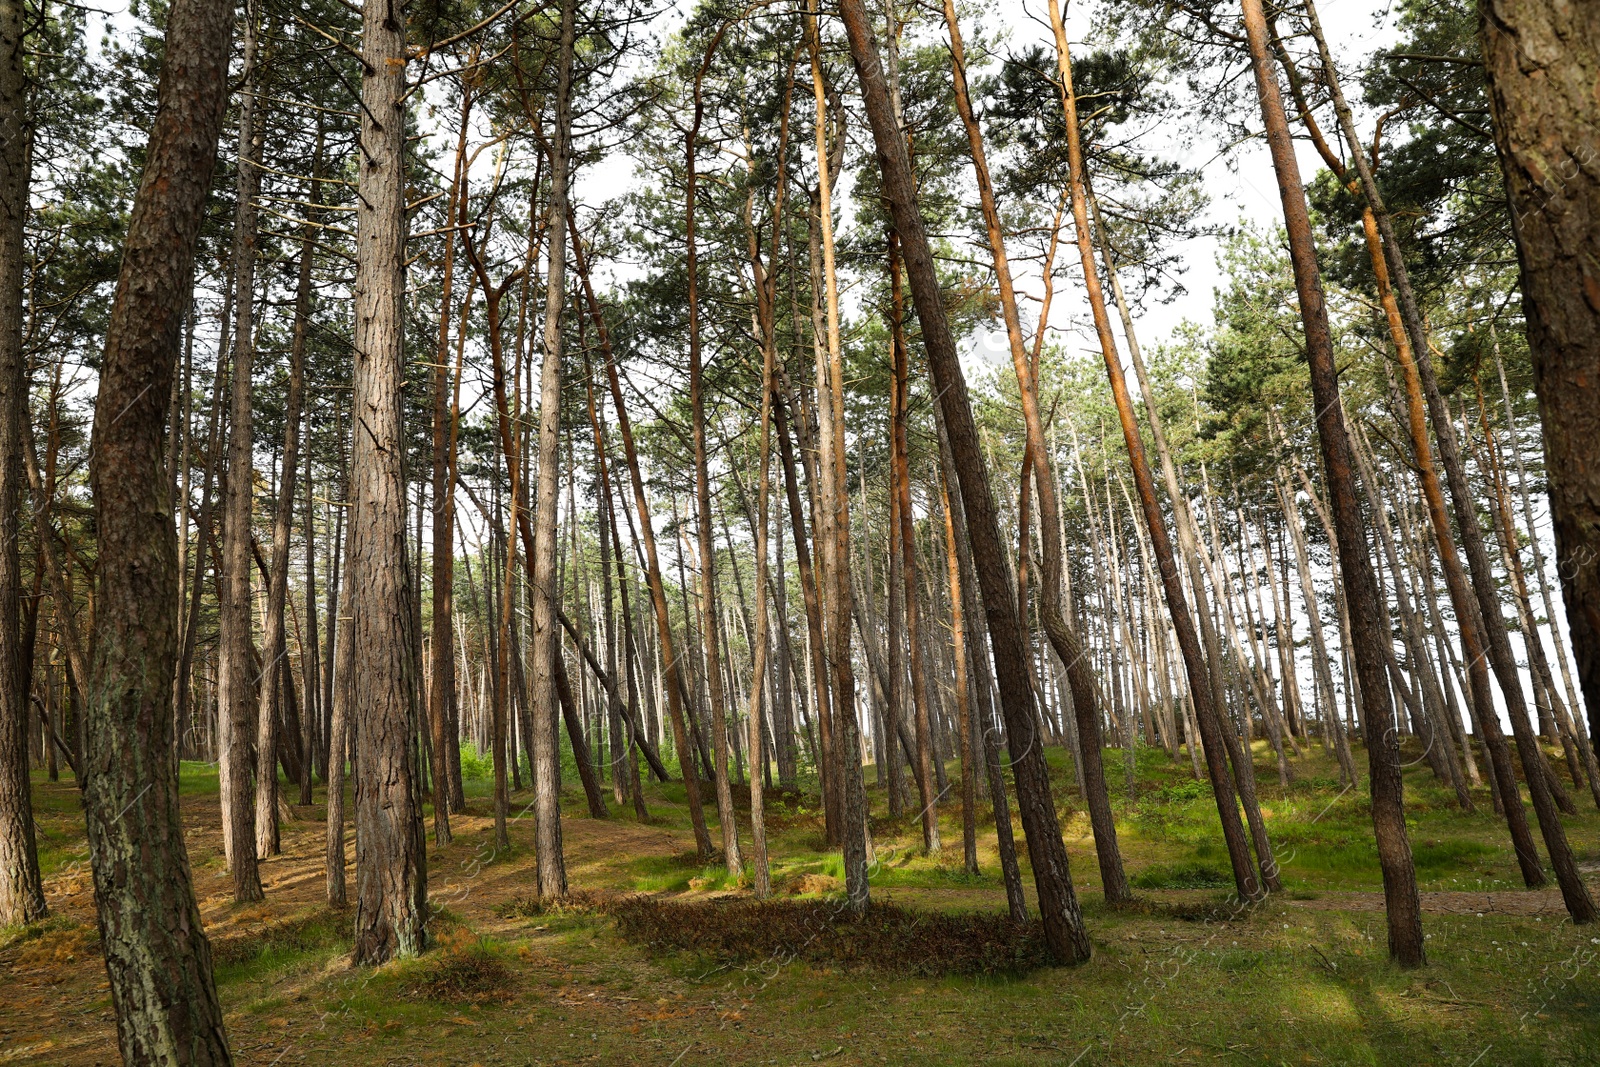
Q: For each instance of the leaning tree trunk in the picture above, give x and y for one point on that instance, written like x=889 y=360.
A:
x=1062 y=636
x=21 y=889
x=391 y=863
x=156 y=952
x=1361 y=591
x=1218 y=737
x=1064 y=930
x=1542 y=60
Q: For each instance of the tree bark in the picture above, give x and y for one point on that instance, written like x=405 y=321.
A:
x=1542 y=60
x=21 y=888
x=155 y=947
x=542 y=571
x=391 y=860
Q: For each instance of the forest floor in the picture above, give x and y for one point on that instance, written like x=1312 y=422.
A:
x=1179 y=978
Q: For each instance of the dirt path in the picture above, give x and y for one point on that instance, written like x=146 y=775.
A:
x=55 y=1001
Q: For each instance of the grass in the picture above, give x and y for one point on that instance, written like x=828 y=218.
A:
x=697 y=972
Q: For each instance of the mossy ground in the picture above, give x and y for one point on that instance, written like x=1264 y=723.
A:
x=1181 y=977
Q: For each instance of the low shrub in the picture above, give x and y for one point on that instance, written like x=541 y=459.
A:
x=886 y=937
x=473 y=972
x=577 y=902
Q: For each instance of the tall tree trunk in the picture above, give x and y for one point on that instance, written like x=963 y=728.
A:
x=274 y=641
x=1062 y=636
x=1388 y=813
x=1058 y=903
x=391 y=859
x=1219 y=739
x=21 y=889
x=154 y=942
x=544 y=697
x=836 y=544
x=709 y=627
x=237 y=676
x=671 y=663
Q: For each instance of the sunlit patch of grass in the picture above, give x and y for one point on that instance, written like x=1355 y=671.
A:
x=55 y=934
x=295 y=943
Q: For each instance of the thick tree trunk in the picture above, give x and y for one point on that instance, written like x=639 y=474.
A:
x=156 y=952
x=391 y=861
x=21 y=889
x=1542 y=60
x=1064 y=930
